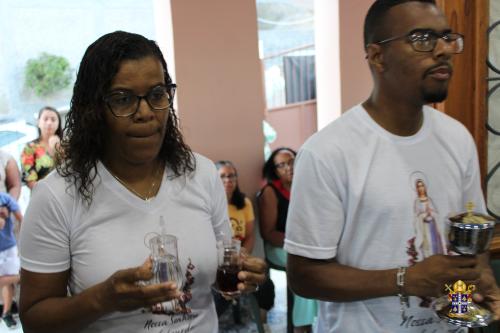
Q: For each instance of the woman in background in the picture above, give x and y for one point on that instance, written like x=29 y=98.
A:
x=239 y=206
x=242 y=219
x=37 y=158
x=273 y=203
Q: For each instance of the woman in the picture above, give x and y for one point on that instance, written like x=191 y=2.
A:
x=240 y=208
x=242 y=218
x=273 y=203
x=37 y=158
x=126 y=172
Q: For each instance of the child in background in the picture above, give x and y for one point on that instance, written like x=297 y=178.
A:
x=9 y=260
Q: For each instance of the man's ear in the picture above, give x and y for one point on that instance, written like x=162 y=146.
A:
x=375 y=57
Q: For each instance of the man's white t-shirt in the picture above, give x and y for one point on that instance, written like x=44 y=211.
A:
x=374 y=200
x=60 y=233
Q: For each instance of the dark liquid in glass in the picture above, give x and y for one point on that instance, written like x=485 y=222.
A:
x=227 y=278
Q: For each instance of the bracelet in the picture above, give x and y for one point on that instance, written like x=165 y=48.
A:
x=400 y=282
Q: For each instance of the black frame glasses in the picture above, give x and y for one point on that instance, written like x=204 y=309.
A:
x=425 y=40
x=124 y=103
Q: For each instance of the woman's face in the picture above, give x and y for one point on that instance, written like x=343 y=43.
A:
x=229 y=179
x=138 y=138
x=48 y=122
x=283 y=162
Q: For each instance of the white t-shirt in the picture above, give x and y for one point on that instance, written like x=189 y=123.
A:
x=374 y=200
x=60 y=233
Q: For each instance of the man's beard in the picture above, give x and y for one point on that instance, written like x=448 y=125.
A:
x=434 y=96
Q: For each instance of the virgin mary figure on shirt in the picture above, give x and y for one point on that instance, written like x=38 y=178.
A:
x=428 y=233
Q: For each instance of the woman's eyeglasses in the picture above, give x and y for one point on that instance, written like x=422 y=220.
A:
x=231 y=177
x=124 y=103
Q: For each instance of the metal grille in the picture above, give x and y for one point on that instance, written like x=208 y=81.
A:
x=493 y=175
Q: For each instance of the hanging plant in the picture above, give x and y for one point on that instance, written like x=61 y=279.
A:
x=47 y=74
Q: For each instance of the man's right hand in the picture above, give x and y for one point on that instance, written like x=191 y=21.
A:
x=429 y=277
x=124 y=290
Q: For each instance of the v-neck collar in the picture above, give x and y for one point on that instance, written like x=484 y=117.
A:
x=127 y=195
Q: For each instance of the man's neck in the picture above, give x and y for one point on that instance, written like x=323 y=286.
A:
x=397 y=116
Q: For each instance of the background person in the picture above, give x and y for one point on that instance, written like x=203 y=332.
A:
x=37 y=158
x=9 y=260
x=242 y=218
x=125 y=165
x=273 y=204
x=10 y=182
x=351 y=220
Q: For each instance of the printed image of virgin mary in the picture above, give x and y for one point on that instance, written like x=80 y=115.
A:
x=429 y=236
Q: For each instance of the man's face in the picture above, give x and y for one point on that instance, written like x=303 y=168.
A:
x=423 y=75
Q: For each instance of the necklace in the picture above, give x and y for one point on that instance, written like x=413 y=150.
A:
x=149 y=195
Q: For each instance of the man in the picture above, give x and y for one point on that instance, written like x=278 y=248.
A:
x=373 y=189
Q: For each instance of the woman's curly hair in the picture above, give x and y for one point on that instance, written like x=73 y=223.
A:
x=84 y=142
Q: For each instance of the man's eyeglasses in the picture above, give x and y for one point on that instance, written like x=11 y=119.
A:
x=426 y=40
x=230 y=177
x=283 y=165
x=123 y=103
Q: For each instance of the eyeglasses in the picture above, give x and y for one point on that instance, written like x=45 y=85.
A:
x=424 y=40
x=283 y=165
x=124 y=103
x=230 y=177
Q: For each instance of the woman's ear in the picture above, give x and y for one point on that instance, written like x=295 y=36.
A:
x=375 y=57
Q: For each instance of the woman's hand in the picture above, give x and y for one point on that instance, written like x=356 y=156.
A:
x=125 y=290
x=54 y=142
x=252 y=275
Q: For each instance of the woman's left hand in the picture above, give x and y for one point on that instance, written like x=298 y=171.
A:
x=252 y=275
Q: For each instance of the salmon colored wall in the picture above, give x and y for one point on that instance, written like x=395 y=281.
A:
x=220 y=94
x=355 y=77
x=294 y=123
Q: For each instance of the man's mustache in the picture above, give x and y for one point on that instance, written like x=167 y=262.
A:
x=443 y=65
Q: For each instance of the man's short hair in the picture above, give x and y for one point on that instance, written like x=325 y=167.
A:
x=375 y=25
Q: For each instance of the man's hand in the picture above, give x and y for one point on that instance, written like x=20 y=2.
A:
x=488 y=292
x=2 y=223
x=429 y=277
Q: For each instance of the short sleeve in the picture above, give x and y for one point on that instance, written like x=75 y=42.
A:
x=28 y=163
x=220 y=218
x=249 y=214
x=316 y=214
x=44 y=239
x=472 y=191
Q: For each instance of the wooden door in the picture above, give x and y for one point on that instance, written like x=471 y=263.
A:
x=466 y=100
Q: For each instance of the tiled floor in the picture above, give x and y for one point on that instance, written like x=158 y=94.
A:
x=276 y=317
